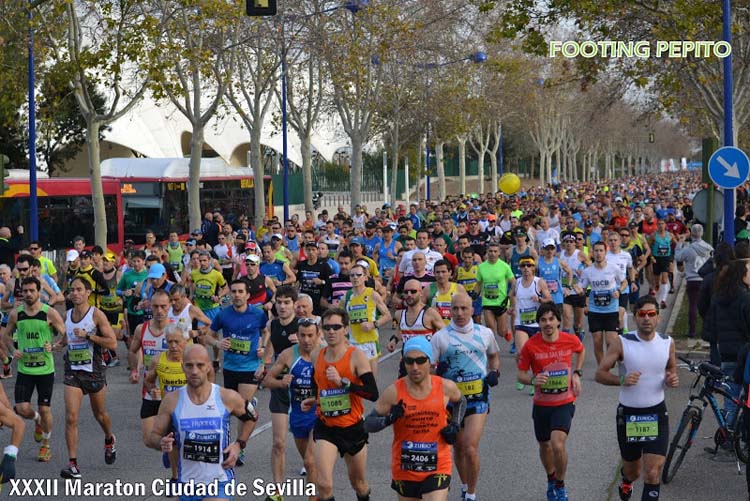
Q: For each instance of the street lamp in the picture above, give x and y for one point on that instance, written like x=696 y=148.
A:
x=352 y=6
x=33 y=200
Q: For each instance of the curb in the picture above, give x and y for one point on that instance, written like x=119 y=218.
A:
x=678 y=303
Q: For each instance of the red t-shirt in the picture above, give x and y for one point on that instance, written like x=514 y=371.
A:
x=554 y=358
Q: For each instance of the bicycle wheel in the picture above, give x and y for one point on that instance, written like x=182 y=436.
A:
x=741 y=445
x=681 y=442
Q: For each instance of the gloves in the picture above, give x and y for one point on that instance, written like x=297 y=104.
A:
x=7 y=469
x=397 y=411
x=491 y=378
x=450 y=433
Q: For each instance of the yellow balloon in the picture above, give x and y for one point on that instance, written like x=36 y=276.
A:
x=509 y=183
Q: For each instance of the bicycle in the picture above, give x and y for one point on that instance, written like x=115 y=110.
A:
x=714 y=382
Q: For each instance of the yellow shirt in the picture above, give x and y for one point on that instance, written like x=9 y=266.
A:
x=170 y=375
x=361 y=309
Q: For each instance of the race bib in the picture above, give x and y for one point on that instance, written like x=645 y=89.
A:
x=202 y=447
x=552 y=285
x=335 y=402
x=300 y=393
x=471 y=386
x=528 y=316
x=444 y=309
x=418 y=456
x=358 y=313
x=641 y=428
x=491 y=291
x=239 y=346
x=662 y=250
x=557 y=382
x=602 y=298
x=79 y=354
x=33 y=357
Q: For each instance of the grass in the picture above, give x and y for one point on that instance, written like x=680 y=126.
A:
x=680 y=329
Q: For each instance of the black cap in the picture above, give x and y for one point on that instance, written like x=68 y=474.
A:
x=371 y=225
x=85 y=254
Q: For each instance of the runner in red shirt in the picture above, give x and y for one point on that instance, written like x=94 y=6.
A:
x=549 y=355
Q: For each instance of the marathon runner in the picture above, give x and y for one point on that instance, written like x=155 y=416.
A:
x=661 y=242
x=184 y=312
x=208 y=287
x=574 y=303
x=130 y=282
x=88 y=334
x=494 y=279
x=466 y=276
x=617 y=256
x=648 y=361
x=415 y=405
x=440 y=293
x=467 y=354
x=556 y=380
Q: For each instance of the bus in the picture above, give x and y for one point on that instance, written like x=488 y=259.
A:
x=65 y=209
x=155 y=193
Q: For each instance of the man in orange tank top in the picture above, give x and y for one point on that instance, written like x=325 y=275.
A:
x=421 y=462
x=343 y=377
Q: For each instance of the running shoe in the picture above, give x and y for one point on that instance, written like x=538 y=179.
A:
x=520 y=386
x=561 y=493
x=217 y=366
x=513 y=348
x=6 y=372
x=110 y=451
x=663 y=305
x=241 y=458
x=114 y=362
x=626 y=490
x=508 y=336
x=38 y=431
x=671 y=290
x=45 y=453
x=302 y=472
x=551 y=496
x=531 y=390
x=72 y=471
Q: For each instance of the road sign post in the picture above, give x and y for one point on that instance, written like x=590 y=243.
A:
x=710 y=145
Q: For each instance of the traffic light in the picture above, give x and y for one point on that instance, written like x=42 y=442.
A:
x=256 y=8
x=4 y=160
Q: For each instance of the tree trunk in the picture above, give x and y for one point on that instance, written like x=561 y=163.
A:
x=419 y=169
x=194 y=190
x=356 y=172
x=307 y=181
x=480 y=172
x=440 y=163
x=256 y=162
x=531 y=167
x=97 y=191
x=493 y=166
x=462 y=165
x=394 y=174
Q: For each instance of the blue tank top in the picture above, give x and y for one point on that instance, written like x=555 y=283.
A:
x=292 y=245
x=515 y=258
x=551 y=273
x=662 y=246
x=370 y=244
x=300 y=388
x=273 y=270
x=387 y=263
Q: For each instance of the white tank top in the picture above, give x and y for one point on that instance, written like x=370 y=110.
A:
x=80 y=351
x=574 y=263
x=182 y=317
x=151 y=346
x=525 y=306
x=416 y=329
x=650 y=359
x=203 y=434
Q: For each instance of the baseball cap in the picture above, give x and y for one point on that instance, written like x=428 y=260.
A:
x=356 y=241
x=527 y=260
x=196 y=231
x=549 y=242
x=110 y=256
x=618 y=199
x=253 y=257
x=72 y=255
x=418 y=343
x=370 y=224
x=277 y=235
x=569 y=236
x=190 y=241
x=363 y=263
x=85 y=254
x=156 y=271
x=588 y=222
x=251 y=246
x=312 y=244
x=519 y=231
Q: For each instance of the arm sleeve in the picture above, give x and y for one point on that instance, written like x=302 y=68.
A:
x=459 y=410
x=368 y=389
x=374 y=422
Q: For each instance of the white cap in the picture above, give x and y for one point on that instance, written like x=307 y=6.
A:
x=72 y=255
x=549 y=241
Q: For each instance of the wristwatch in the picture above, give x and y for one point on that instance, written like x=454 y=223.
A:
x=242 y=443
x=578 y=372
x=345 y=383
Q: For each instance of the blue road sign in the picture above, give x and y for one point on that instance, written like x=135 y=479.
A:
x=729 y=167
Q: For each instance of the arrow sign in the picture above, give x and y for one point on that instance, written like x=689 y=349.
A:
x=729 y=167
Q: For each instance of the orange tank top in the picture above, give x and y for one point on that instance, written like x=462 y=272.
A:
x=418 y=449
x=337 y=406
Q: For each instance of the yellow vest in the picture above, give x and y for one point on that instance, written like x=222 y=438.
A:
x=468 y=278
x=361 y=309
x=169 y=374
x=442 y=302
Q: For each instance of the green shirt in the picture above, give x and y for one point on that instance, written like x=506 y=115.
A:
x=32 y=333
x=207 y=285
x=494 y=278
x=132 y=279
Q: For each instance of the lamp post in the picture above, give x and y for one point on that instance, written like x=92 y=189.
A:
x=352 y=6
x=728 y=125
x=33 y=200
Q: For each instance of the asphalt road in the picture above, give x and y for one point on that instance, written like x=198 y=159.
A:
x=510 y=466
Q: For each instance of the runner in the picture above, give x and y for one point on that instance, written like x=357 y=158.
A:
x=111 y=305
x=556 y=380
x=440 y=293
x=616 y=255
x=292 y=373
x=343 y=378
x=661 y=243
x=313 y=275
x=363 y=305
x=34 y=325
x=88 y=334
x=15 y=423
x=184 y=312
x=165 y=375
x=648 y=361
x=208 y=287
x=607 y=283
x=552 y=270
x=195 y=419
x=129 y=283
x=495 y=278
x=421 y=464
x=574 y=303
x=240 y=326
x=467 y=354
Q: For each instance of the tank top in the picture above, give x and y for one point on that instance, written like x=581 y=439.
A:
x=387 y=263
x=650 y=359
x=515 y=259
x=32 y=333
x=280 y=335
x=337 y=406
x=551 y=273
x=576 y=266
x=418 y=449
x=442 y=302
x=273 y=270
x=361 y=309
x=467 y=278
x=662 y=246
x=169 y=375
x=174 y=257
x=416 y=329
x=182 y=317
x=257 y=289
x=340 y=285
x=110 y=302
x=466 y=355
x=301 y=386
x=151 y=346
x=203 y=433
x=82 y=355
x=525 y=306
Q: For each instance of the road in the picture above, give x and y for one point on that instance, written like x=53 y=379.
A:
x=510 y=466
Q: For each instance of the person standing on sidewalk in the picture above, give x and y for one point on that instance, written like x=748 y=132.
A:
x=692 y=256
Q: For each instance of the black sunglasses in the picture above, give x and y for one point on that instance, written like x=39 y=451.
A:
x=417 y=360
x=306 y=322
x=411 y=291
x=333 y=327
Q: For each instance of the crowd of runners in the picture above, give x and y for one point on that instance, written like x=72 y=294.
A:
x=295 y=307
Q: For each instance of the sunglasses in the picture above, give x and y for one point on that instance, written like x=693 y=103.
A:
x=356 y=275
x=23 y=269
x=411 y=291
x=251 y=263
x=527 y=265
x=35 y=248
x=417 y=360
x=306 y=322
x=646 y=313
x=580 y=239
x=332 y=327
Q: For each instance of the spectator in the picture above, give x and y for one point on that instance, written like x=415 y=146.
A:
x=692 y=256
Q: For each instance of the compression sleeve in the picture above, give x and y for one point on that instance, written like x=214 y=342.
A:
x=369 y=388
x=459 y=410
x=374 y=422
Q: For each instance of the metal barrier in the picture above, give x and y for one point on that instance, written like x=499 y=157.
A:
x=336 y=198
